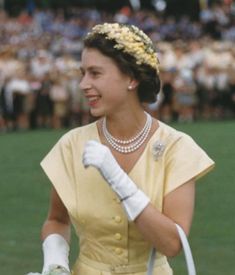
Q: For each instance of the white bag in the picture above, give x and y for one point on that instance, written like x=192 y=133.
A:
x=187 y=253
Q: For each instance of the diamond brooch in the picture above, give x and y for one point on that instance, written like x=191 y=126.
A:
x=158 y=149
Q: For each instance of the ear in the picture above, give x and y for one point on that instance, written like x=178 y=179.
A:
x=133 y=84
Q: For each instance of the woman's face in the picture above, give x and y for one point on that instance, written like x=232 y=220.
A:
x=104 y=85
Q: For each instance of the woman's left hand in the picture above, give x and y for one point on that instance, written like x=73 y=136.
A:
x=98 y=155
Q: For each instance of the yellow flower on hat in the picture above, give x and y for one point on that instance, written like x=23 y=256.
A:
x=131 y=40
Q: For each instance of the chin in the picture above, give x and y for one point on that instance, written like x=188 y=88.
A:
x=96 y=113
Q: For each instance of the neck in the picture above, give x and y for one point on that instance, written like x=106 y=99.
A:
x=126 y=125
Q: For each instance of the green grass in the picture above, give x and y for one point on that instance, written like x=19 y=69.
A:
x=24 y=194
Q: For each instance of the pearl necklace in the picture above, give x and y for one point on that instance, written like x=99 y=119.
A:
x=134 y=143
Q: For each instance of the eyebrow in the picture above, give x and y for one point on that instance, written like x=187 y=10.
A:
x=91 y=68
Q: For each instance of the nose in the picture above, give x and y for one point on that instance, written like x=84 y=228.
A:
x=84 y=83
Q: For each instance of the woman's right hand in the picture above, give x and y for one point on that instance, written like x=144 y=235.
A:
x=53 y=270
x=56 y=270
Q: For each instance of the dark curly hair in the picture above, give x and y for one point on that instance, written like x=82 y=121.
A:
x=149 y=81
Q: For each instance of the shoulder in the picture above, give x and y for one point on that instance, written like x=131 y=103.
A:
x=184 y=158
x=181 y=146
x=79 y=134
x=177 y=143
x=173 y=136
x=72 y=143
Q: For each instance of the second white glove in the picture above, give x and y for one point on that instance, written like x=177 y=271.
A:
x=133 y=199
x=56 y=255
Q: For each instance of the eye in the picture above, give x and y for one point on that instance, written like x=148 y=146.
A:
x=95 y=73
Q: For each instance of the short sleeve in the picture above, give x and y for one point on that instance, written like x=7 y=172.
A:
x=58 y=166
x=185 y=160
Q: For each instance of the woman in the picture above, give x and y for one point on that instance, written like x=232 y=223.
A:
x=126 y=179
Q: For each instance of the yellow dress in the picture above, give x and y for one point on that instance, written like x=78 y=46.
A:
x=109 y=244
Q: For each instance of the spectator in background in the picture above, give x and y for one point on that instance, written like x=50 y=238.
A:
x=185 y=96
x=18 y=101
x=41 y=64
x=167 y=108
x=43 y=102
x=59 y=95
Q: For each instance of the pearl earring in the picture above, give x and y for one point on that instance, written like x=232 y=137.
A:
x=130 y=87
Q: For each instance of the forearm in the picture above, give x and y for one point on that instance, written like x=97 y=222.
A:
x=56 y=227
x=159 y=230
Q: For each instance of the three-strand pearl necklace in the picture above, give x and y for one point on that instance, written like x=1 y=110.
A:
x=130 y=145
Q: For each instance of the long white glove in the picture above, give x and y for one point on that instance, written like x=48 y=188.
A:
x=133 y=199
x=56 y=253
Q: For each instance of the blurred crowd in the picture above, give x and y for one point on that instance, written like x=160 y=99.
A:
x=40 y=58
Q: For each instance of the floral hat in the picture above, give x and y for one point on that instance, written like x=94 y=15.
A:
x=131 y=40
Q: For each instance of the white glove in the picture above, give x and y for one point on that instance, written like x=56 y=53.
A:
x=53 y=270
x=55 y=252
x=133 y=199
x=56 y=255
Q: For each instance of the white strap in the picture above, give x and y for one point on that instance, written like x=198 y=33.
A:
x=187 y=253
x=151 y=260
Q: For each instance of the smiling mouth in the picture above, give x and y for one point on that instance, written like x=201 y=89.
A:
x=92 y=100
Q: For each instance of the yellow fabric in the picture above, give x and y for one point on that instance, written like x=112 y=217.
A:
x=109 y=244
